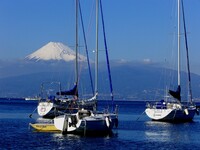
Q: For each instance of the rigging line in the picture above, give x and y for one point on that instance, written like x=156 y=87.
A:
x=107 y=59
x=30 y=116
x=92 y=14
x=86 y=49
x=187 y=53
x=140 y=115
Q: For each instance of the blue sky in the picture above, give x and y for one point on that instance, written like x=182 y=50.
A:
x=136 y=29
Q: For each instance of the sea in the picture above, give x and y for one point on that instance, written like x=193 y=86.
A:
x=135 y=131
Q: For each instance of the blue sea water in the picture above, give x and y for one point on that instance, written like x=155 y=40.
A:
x=135 y=131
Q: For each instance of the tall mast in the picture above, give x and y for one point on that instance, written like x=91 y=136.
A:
x=76 y=44
x=97 y=46
x=106 y=50
x=187 y=54
x=179 y=82
x=177 y=94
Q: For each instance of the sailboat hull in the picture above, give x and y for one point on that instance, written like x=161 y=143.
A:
x=86 y=123
x=171 y=115
x=47 y=110
x=97 y=124
x=51 y=109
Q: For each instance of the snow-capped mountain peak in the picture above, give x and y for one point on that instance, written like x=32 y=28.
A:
x=54 y=51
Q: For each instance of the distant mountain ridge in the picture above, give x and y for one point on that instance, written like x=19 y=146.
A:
x=55 y=62
x=130 y=81
x=55 y=51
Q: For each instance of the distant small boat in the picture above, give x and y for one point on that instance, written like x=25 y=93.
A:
x=32 y=98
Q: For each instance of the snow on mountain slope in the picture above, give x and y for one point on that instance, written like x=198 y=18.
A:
x=54 y=51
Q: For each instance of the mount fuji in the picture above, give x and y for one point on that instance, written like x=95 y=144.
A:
x=54 y=51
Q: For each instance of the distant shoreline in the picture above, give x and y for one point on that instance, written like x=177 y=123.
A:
x=12 y=98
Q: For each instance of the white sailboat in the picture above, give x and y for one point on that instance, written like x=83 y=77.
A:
x=87 y=121
x=52 y=106
x=172 y=109
x=60 y=113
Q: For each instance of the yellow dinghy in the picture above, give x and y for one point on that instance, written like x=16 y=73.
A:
x=44 y=125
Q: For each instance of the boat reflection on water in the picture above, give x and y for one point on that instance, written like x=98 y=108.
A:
x=167 y=132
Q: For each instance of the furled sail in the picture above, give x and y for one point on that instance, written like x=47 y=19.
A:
x=73 y=91
x=176 y=94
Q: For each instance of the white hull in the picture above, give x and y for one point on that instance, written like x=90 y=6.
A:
x=50 y=109
x=51 y=105
x=85 y=122
x=45 y=109
x=171 y=114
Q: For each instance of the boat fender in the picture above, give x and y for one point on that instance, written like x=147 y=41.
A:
x=65 y=124
x=116 y=123
x=197 y=111
x=107 y=122
x=70 y=123
x=186 y=111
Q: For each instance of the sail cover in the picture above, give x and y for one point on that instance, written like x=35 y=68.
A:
x=73 y=91
x=176 y=94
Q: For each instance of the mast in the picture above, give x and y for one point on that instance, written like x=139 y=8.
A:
x=179 y=76
x=97 y=47
x=107 y=58
x=76 y=44
x=177 y=94
x=187 y=54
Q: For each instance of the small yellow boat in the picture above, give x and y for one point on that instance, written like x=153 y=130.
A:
x=44 y=127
